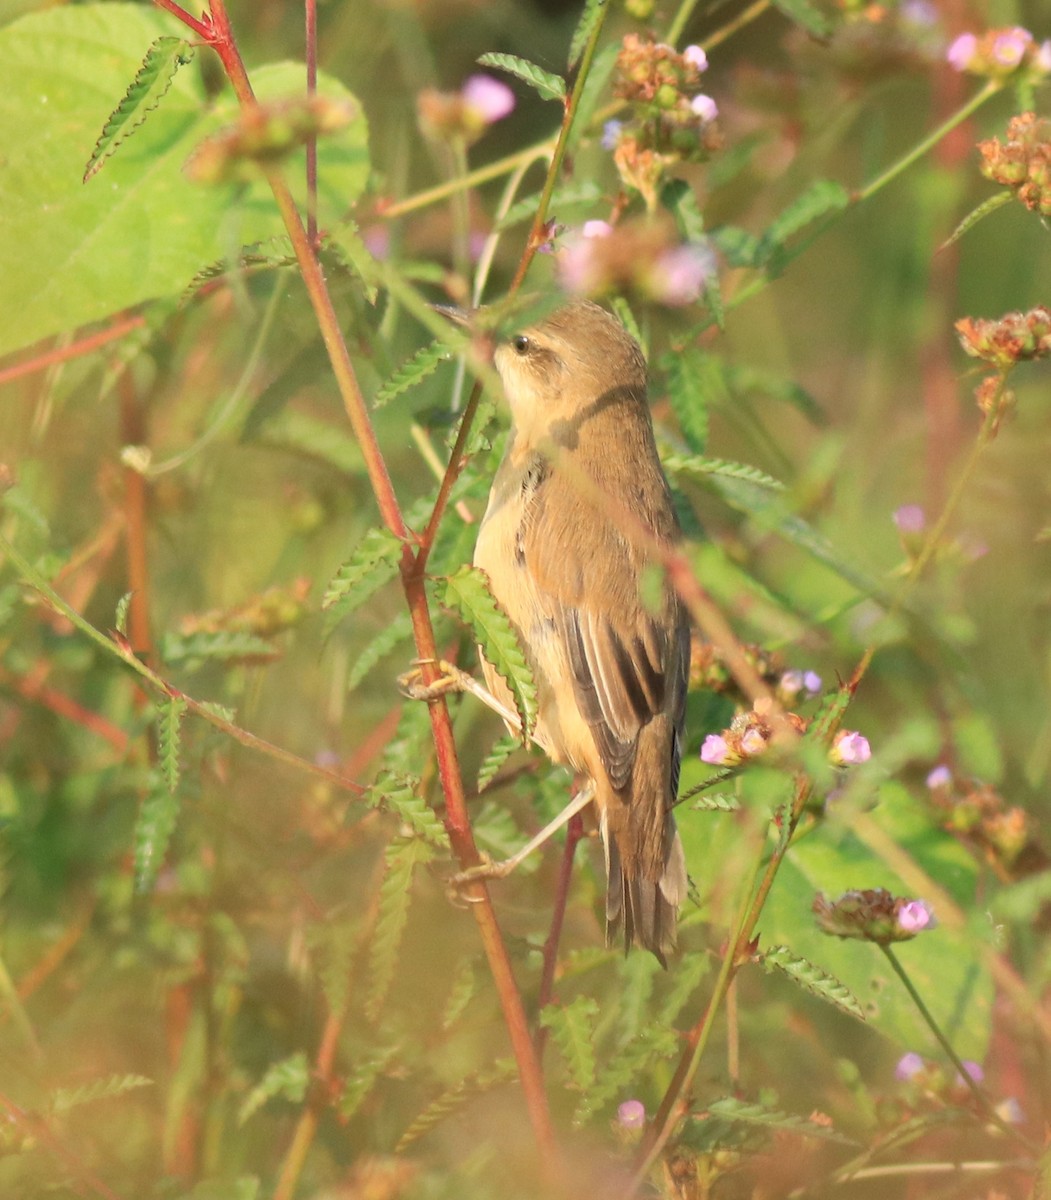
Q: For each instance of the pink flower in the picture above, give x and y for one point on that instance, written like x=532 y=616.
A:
x=909 y=1066
x=962 y=51
x=939 y=777
x=490 y=99
x=594 y=229
x=849 y=749
x=631 y=1114
x=915 y=916
x=1010 y=46
x=910 y=518
x=1042 y=58
x=752 y=742
x=696 y=57
x=716 y=751
x=679 y=274
x=705 y=107
x=974 y=1071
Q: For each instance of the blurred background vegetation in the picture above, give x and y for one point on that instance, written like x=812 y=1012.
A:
x=226 y=975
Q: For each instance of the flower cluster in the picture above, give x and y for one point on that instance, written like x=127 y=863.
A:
x=464 y=115
x=641 y=256
x=980 y=814
x=709 y=672
x=872 y=915
x=671 y=118
x=1000 y=53
x=1014 y=338
x=747 y=737
x=1023 y=162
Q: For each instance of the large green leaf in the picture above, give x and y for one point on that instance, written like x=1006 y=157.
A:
x=74 y=252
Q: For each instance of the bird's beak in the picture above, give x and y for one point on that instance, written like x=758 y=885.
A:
x=458 y=316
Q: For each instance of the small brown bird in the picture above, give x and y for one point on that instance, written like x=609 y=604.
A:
x=610 y=666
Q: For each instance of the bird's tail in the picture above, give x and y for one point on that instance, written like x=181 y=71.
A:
x=641 y=911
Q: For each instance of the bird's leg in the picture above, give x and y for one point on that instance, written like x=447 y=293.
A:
x=452 y=679
x=500 y=870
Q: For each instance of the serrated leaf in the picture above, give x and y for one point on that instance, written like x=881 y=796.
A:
x=717 y=802
x=730 y=1109
x=120 y=619
x=192 y=650
x=738 y=247
x=722 y=467
x=169 y=721
x=549 y=87
x=594 y=10
x=494 y=760
x=822 y=197
x=287 y=1079
x=462 y=989
x=151 y=83
x=679 y=198
x=695 y=381
x=741 y=379
x=72 y=253
x=812 y=979
x=398 y=794
x=713 y=297
x=619 y=1073
x=453 y=1099
x=572 y=1027
x=399 y=630
x=372 y=565
x=423 y=363
x=622 y=311
x=361 y=1079
x=345 y=239
x=64 y=1099
x=468 y=593
x=573 y=196
x=977 y=214
x=804 y=13
x=158 y=815
x=402 y=857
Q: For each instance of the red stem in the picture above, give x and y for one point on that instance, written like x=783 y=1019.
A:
x=201 y=28
x=574 y=832
x=73 y=350
x=310 y=37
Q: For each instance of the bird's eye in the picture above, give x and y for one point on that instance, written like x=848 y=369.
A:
x=521 y=344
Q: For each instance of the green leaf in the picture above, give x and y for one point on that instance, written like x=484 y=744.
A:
x=717 y=802
x=397 y=631
x=977 y=214
x=345 y=239
x=423 y=363
x=362 y=1077
x=64 y=1099
x=550 y=87
x=168 y=723
x=463 y=988
x=806 y=14
x=453 y=1099
x=722 y=468
x=730 y=1109
x=573 y=1030
x=812 y=979
x=373 y=564
x=120 y=620
x=158 y=814
x=679 y=198
x=589 y=18
x=743 y=379
x=398 y=794
x=321 y=440
x=468 y=593
x=495 y=759
x=694 y=382
x=191 y=651
x=73 y=253
x=147 y=89
x=739 y=247
x=821 y=198
x=576 y=195
x=402 y=857
x=288 y=1079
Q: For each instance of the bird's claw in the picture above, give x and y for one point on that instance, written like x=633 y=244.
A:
x=450 y=679
x=480 y=873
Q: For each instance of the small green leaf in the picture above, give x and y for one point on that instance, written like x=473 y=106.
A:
x=168 y=740
x=467 y=592
x=145 y=92
x=679 y=198
x=191 y=651
x=813 y=980
x=495 y=759
x=622 y=311
x=822 y=198
x=288 y=1079
x=399 y=630
x=730 y=1109
x=373 y=564
x=573 y=1029
x=399 y=794
x=550 y=87
x=723 y=468
x=120 y=620
x=322 y=440
x=402 y=857
x=743 y=379
x=589 y=18
x=453 y=1099
x=804 y=13
x=423 y=363
x=345 y=239
x=463 y=988
x=158 y=815
x=695 y=382
x=717 y=802
x=977 y=214
x=738 y=247
x=362 y=1077
x=576 y=195
x=64 y=1099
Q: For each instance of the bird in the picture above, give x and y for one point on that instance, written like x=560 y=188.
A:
x=576 y=508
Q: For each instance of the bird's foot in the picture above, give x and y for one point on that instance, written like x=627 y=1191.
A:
x=480 y=873
x=450 y=679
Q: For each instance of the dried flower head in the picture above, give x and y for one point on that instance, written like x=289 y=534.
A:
x=1014 y=338
x=1023 y=161
x=872 y=915
x=465 y=114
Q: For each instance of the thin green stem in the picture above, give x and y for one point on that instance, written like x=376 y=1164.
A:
x=984 y=1103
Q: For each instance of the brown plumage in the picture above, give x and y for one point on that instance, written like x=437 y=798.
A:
x=610 y=668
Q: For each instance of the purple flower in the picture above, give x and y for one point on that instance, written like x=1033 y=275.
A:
x=488 y=97
x=909 y=1066
x=716 y=750
x=850 y=748
x=611 y=134
x=631 y=1114
x=377 y=240
x=680 y=274
x=794 y=682
x=961 y=52
x=705 y=107
x=910 y=518
x=915 y=916
x=696 y=57
x=974 y=1071
x=596 y=229
x=939 y=777
x=1010 y=1110
x=920 y=12
x=1009 y=47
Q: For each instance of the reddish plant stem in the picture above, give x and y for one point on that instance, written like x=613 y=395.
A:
x=73 y=350
x=201 y=28
x=132 y=432
x=310 y=38
x=65 y=706
x=574 y=832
